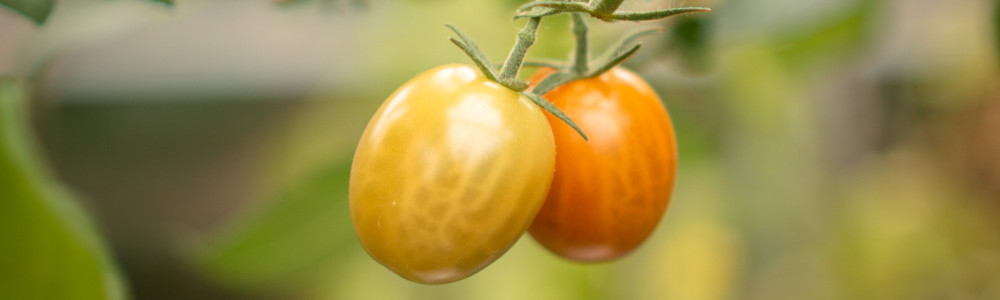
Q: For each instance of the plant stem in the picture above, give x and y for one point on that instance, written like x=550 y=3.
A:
x=525 y=38
x=581 y=56
x=605 y=7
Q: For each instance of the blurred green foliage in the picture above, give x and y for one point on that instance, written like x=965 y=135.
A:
x=49 y=248
x=305 y=226
x=690 y=37
x=39 y=10
x=843 y=34
x=36 y=10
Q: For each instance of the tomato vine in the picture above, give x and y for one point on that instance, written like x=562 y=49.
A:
x=604 y=10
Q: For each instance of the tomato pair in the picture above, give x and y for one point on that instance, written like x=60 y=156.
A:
x=454 y=168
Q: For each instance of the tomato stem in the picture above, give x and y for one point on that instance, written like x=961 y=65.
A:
x=613 y=57
x=603 y=10
x=654 y=15
x=525 y=39
x=547 y=8
x=605 y=7
x=580 y=68
x=581 y=56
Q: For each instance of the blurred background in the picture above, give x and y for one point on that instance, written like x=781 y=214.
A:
x=843 y=149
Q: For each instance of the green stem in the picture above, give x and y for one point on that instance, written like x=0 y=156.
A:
x=652 y=15
x=581 y=56
x=603 y=10
x=560 y=6
x=605 y=7
x=525 y=38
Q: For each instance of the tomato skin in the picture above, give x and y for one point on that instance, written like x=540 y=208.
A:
x=608 y=194
x=449 y=173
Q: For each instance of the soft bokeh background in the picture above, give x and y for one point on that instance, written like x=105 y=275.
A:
x=830 y=149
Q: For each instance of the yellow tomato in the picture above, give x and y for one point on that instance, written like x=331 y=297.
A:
x=448 y=174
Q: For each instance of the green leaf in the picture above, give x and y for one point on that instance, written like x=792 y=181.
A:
x=286 y=239
x=48 y=248
x=167 y=2
x=36 y=10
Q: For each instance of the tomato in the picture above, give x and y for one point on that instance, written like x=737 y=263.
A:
x=448 y=174
x=608 y=194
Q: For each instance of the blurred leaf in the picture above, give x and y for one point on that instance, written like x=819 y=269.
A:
x=36 y=10
x=48 y=249
x=690 y=36
x=293 y=234
x=167 y=2
x=358 y=5
x=837 y=36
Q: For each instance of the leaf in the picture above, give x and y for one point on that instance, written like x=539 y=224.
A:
x=36 y=10
x=167 y=2
x=292 y=235
x=48 y=248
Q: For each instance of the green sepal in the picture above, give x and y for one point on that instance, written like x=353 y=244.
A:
x=474 y=53
x=507 y=74
x=553 y=81
x=613 y=61
x=622 y=51
x=552 y=109
x=636 y=34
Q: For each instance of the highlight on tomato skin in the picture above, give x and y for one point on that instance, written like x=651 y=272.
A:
x=448 y=174
x=608 y=194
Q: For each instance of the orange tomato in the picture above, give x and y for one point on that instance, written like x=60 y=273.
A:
x=607 y=194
